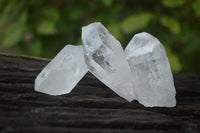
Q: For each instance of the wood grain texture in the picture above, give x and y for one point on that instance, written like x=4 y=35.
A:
x=90 y=107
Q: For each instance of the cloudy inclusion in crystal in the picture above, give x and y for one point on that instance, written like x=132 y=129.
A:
x=62 y=74
x=142 y=72
x=151 y=73
x=106 y=60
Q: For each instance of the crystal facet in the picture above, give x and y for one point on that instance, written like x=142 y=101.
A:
x=62 y=74
x=142 y=72
x=106 y=60
x=151 y=73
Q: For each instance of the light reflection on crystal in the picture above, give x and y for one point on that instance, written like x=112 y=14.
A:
x=140 y=73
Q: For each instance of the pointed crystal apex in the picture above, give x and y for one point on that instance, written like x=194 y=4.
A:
x=151 y=73
x=62 y=74
x=106 y=60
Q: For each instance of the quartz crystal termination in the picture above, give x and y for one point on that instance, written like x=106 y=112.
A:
x=62 y=74
x=106 y=60
x=151 y=73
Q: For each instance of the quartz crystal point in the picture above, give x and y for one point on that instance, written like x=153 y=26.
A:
x=151 y=73
x=62 y=74
x=106 y=60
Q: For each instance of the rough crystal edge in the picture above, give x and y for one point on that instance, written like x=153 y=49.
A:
x=43 y=91
x=84 y=29
x=156 y=40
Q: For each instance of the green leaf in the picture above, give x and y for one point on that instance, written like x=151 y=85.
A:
x=6 y=12
x=173 y=60
x=35 y=47
x=115 y=30
x=51 y=14
x=185 y=33
x=193 y=45
x=10 y=11
x=107 y=2
x=173 y=3
x=74 y=12
x=46 y=24
x=196 y=7
x=14 y=33
x=46 y=27
x=136 y=22
x=171 y=23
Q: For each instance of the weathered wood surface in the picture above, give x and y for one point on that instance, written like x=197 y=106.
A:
x=90 y=107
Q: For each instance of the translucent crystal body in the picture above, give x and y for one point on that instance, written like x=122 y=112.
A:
x=106 y=60
x=151 y=73
x=62 y=74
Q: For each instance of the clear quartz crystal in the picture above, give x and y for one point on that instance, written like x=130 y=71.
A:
x=151 y=73
x=62 y=74
x=106 y=60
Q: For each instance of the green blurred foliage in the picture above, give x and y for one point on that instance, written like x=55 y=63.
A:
x=43 y=27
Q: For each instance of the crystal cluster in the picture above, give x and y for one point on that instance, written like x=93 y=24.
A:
x=141 y=72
